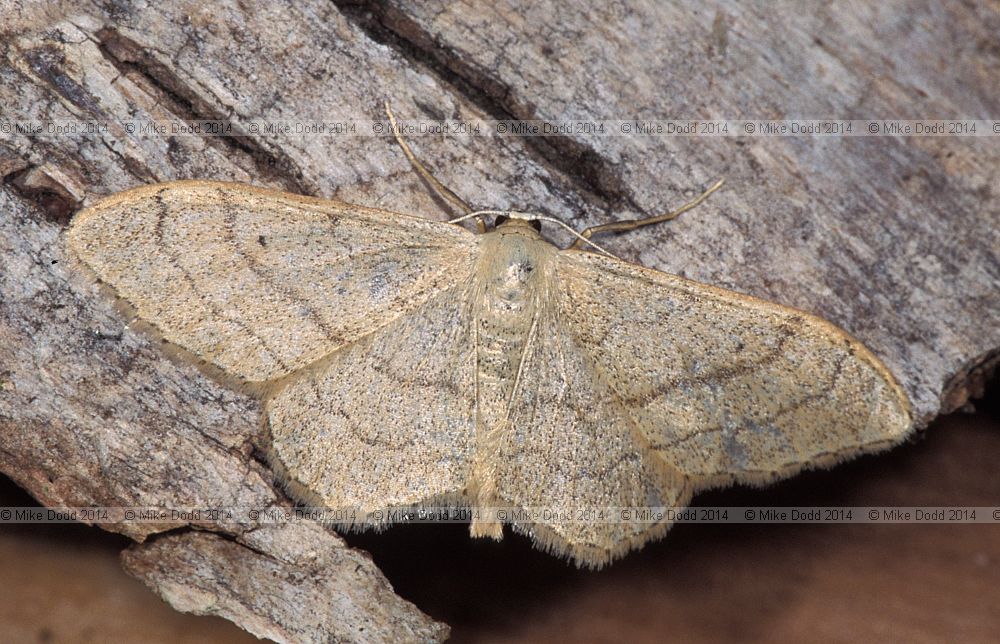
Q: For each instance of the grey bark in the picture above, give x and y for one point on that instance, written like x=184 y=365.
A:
x=896 y=239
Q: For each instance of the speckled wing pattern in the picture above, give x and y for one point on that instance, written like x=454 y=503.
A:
x=386 y=422
x=405 y=362
x=258 y=282
x=573 y=448
x=642 y=388
x=724 y=387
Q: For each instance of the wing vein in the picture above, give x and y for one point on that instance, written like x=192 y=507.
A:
x=162 y=213
x=266 y=275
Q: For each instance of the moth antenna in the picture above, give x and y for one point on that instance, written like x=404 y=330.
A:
x=442 y=190
x=631 y=224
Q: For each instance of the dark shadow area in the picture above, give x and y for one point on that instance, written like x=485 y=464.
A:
x=77 y=534
x=62 y=582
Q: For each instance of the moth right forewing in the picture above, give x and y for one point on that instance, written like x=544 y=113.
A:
x=726 y=387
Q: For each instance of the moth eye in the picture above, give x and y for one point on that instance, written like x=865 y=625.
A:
x=536 y=224
x=499 y=220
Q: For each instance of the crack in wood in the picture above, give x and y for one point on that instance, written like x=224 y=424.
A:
x=578 y=162
x=129 y=56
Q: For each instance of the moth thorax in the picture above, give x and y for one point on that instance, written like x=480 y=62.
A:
x=514 y=282
x=513 y=269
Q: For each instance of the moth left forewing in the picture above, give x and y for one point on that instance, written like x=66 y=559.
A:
x=257 y=282
x=723 y=386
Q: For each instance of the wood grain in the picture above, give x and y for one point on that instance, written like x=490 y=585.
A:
x=893 y=239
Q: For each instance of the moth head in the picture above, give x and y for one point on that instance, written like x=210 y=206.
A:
x=517 y=219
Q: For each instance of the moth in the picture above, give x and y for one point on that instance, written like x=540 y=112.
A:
x=404 y=362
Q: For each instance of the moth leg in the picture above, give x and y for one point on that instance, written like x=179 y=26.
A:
x=632 y=224
x=442 y=190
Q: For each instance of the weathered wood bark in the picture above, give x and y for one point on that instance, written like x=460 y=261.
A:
x=895 y=239
x=299 y=567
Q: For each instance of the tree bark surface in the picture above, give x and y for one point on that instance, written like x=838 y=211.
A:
x=894 y=238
